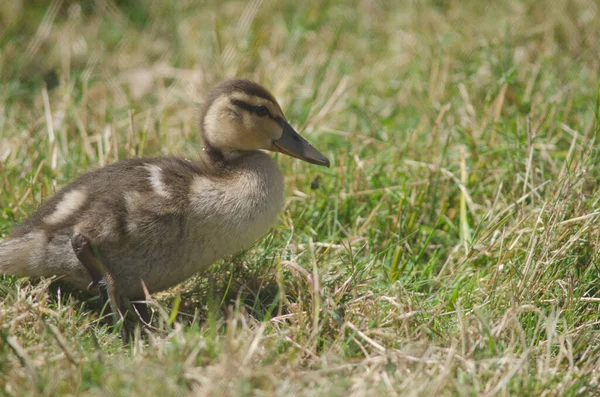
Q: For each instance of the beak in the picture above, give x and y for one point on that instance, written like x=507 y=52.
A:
x=292 y=144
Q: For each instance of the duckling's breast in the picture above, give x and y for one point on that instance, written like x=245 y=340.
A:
x=228 y=214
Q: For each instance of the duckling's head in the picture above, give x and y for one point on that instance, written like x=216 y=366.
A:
x=240 y=116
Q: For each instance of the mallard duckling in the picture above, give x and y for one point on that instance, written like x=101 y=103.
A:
x=155 y=222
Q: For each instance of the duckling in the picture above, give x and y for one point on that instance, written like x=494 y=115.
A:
x=151 y=223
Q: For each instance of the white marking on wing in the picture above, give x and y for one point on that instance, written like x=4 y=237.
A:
x=70 y=203
x=156 y=180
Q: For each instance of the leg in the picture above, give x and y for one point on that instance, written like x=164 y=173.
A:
x=136 y=318
x=141 y=310
x=83 y=250
x=101 y=276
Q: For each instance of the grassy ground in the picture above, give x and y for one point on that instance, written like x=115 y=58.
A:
x=451 y=249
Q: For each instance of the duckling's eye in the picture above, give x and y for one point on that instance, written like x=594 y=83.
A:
x=261 y=110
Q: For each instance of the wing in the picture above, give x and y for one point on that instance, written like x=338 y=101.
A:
x=130 y=198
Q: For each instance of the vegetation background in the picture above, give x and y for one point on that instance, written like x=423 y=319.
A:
x=451 y=249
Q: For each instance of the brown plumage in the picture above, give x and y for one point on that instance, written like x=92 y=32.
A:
x=158 y=221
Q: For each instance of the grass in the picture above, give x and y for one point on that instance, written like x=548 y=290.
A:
x=451 y=249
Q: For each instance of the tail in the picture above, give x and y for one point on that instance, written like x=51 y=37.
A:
x=24 y=256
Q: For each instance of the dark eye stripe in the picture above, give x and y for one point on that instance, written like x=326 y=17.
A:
x=259 y=110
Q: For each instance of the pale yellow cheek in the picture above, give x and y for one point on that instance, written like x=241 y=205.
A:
x=71 y=203
x=263 y=134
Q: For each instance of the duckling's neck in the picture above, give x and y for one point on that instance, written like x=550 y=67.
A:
x=213 y=156
x=221 y=159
